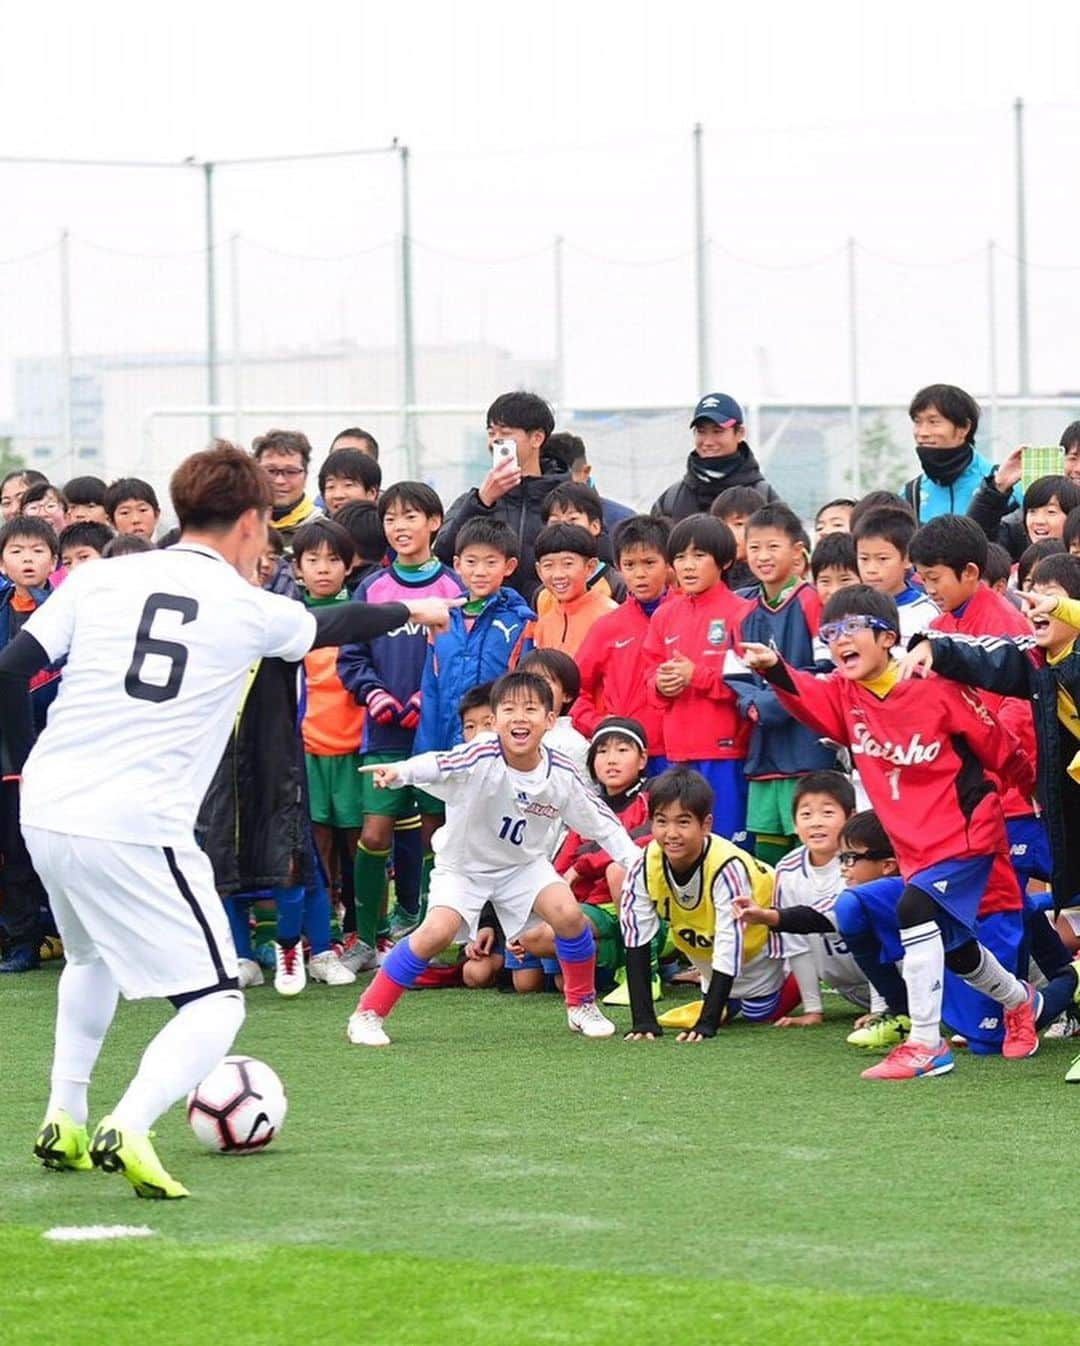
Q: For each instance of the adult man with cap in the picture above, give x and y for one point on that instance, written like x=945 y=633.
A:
x=720 y=458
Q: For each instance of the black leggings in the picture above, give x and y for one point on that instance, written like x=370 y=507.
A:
x=917 y=908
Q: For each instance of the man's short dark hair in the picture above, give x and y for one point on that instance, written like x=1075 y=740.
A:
x=1031 y=556
x=859 y=600
x=353 y=465
x=573 y=495
x=558 y=537
x=876 y=500
x=411 y=494
x=781 y=517
x=521 y=684
x=834 y=784
x=361 y=521
x=951 y=540
x=354 y=432
x=324 y=533
x=521 y=411
x=684 y=786
x=895 y=526
x=957 y=406
x=841 y=502
x=865 y=829
x=737 y=500
x=282 y=441
x=641 y=530
x=210 y=489
x=132 y=488
x=32 y=528
x=835 y=551
x=126 y=544
x=1070 y=436
x=1038 y=495
x=475 y=699
x=493 y=533
x=1061 y=568
x=567 y=448
x=708 y=534
x=999 y=563
x=85 y=491
x=93 y=535
x=559 y=664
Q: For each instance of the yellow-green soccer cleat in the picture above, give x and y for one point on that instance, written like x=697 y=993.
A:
x=117 y=1150
x=882 y=1034
x=62 y=1145
x=1072 y=1075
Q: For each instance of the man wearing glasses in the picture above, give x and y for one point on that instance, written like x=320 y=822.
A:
x=285 y=455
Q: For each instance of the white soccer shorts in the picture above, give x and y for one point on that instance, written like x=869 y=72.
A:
x=150 y=913
x=511 y=892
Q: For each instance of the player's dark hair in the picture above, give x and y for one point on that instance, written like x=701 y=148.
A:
x=134 y=488
x=841 y=502
x=560 y=666
x=641 y=530
x=211 y=489
x=1071 y=532
x=85 y=491
x=681 y=785
x=1031 y=556
x=951 y=540
x=518 y=685
x=361 y=521
x=957 y=406
x=708 y=534
x=493 y=533
x=622 y=729
x=876 y=500
x=573 y=495
x=41 y=489
x=324 y=533
x=895 y=526
x=1061 y=568
x=781 y=517
x=353 y=465
x=475 y=699
x=999 y=562
x=559 y=537
x=29 y=527
x=95 y=535
x=865 y=829
x=859 y=600
x=521 y=411
x=1070 y=435
x=737 y=500
x=354 y=432
x=834 y=784
x=567 y=448
x=835 y=551
x=1039 y=494
x=282 y=441
x=411 y=495
x=126 y=544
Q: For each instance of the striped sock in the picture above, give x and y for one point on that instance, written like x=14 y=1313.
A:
x=923 y=971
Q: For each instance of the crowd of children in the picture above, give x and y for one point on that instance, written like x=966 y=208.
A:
x=692 y=743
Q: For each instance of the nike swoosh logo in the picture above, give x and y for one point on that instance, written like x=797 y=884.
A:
x=670 y=640
x=620 y=643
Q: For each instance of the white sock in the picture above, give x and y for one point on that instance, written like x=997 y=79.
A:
x=923 y=971
x=994 y=981
x=182 y=1055
x=85 y=1005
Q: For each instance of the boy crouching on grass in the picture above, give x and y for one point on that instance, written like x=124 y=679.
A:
x=506 y=800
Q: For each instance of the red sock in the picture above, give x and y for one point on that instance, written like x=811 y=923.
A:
x=579 y=981
x=790 y=996
x=382 y=995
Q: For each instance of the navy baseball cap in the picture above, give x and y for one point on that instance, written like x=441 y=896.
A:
x=718 y=407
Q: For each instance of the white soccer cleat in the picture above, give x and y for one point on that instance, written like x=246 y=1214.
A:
x=250 y=973
x=328 y=967
x=365 y=1029
x=588 y=1020
x=289 y=975
x=360 y=957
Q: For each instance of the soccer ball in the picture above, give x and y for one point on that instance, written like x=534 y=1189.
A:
x=239 y=1107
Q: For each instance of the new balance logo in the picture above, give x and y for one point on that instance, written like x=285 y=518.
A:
x=940 y=886
x=988 y=1023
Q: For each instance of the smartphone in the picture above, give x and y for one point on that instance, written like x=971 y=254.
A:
x=1041 y=460
x=503 y=451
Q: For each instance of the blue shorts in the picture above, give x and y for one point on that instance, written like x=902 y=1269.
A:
x=1029 y=850
x=656 y=766
x=727 y=776
x=957 y=887
x=513 y=963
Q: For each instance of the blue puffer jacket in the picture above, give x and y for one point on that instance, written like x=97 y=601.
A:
x=461 y=659
x=44 y=685
x=929 y=500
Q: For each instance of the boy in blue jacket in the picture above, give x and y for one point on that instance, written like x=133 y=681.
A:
x=486 y=637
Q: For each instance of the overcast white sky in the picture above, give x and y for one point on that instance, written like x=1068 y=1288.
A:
x=889 y=123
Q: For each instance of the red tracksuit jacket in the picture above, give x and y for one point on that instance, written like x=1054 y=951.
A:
x=590 y=861
x=703 y=722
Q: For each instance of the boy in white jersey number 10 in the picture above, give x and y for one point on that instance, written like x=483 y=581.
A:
x=507 y=796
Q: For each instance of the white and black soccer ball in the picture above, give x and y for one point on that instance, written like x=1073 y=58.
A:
x=239 y=1108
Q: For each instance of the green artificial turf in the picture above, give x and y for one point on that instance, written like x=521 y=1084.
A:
x=491 y=1177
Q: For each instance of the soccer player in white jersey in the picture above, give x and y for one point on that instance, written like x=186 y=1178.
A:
x=507 y=796
x=158 y=648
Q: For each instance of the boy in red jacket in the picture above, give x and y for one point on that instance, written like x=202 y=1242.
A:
x=923 y=751
x=689 y=642
x=611 y=658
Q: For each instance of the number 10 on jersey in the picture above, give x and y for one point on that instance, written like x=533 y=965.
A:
x=513 y=830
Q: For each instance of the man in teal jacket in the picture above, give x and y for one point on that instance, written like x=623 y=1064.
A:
x=945 y=419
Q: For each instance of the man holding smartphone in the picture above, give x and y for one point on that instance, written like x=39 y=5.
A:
x=516 y=484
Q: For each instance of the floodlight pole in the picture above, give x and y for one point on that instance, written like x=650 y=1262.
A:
x=211 y=297
x=560 y=330
x=408 y=349
x=67 y=427
x=701 y=269
x=853 y=366
x=1023 y=351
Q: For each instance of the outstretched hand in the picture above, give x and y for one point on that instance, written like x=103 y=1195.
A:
x=434 y=612
x=1038 y=605
x=918 y=662
x=758 y=656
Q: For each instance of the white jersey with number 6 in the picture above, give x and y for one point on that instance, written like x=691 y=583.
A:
x=158 y=648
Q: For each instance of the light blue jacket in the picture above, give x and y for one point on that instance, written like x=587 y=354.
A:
x=929 y=500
